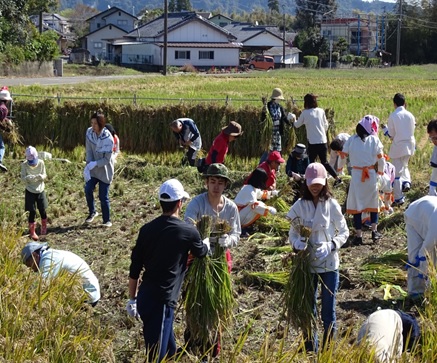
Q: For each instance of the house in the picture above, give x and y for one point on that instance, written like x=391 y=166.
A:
x=291 y=55
x=220 y=20
x=104 y=27
x=191 y=39
x=361 y=34
x=57 y=23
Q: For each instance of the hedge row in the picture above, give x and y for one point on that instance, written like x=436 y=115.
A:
x=146 y=129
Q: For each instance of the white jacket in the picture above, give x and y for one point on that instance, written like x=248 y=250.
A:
x=401 y=125
x=327 y=224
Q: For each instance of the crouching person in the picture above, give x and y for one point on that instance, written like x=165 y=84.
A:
x=50 y=262
x=389 y=332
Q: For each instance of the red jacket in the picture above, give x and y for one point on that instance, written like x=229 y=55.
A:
x=218 y=150
x=271 y=175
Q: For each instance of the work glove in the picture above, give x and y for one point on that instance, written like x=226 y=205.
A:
x=86 y=174
x=207 y=243
x=291 y=117
x=274 y=193
x=225 y=241
x=323 y=250
x=384 y=129
x=92 y=164
x=295 y=176
x=299 y=243
x=272 y=210
x=131 y=308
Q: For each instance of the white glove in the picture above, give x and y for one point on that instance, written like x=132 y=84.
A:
x=92 y=164
x=384 y=129
x=30 y=178
x=225 y=241
x=38 y=177
x=296 y=176
x=291 y=117
x=86 y=173
x=299 y=243
x=131 y=308
x=207 y=243
x=272 y=210
x=323 y=250
x=274 y=193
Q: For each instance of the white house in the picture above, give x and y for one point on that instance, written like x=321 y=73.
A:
x=115 y=16
x=99 y=42
x=191 y=39
x=291 y=55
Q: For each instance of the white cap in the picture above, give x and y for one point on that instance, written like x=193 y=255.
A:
x=5 y=95
x=174 y=189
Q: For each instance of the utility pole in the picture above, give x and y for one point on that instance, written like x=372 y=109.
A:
x=164 y=60
x=398 y=40
x=283 y=36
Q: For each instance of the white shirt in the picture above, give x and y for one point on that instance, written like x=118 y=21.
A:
x=401 y=125
x=315 y=123
x=53 y=261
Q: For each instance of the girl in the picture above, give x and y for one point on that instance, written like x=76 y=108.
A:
x=319 y=211
x=364 y=150
x=247 y=200
x=33 y=174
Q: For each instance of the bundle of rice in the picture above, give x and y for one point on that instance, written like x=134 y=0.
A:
x=299 y=291
x=266 y=127
x=10 y=132
x=209 y=299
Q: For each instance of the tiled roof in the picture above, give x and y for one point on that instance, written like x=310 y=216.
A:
x=202 y=45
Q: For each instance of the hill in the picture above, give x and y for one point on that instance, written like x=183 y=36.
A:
x=345 y=7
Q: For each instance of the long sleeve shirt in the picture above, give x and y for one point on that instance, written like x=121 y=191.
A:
x=401 y=125
x=315 y=123
x=33 y=176
x=218 y=150
x=189 y=132
x=99 y=149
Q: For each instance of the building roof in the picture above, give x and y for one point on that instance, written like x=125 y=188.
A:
x=202 y=45
x=103 y=27
x=221 y=16
x=155 y=27
x=246 y=31
x=110 y=11
x=279 y=51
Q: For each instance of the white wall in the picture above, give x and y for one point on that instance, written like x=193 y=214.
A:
x=289 y=58
x=222 y=57
x=195 y=31
x=106 y=33
x=119 y=15
x=264 y=39
x=131 y=50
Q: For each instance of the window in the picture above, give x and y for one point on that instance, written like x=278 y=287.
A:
x=355 y=36
x=206 y=54
x=98 y=25
x=182 y=54
x=121 y=22
x=98 y=45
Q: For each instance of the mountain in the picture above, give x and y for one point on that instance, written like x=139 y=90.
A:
x=345 y=7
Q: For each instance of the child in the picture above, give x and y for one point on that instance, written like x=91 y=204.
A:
x=336 y=157
x=247 y=200
x=432 y=133
x=295 y=168
x=33 y=174
x=5 y=123
x=322 y=213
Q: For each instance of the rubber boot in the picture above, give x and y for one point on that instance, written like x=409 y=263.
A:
x=43 y=227
x=32 y=233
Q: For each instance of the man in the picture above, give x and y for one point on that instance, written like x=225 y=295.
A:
x=400 y=129
x=271 y=166
x=162 y=250
x=220 y=146
x=389 y=332
x=50 y=262
x=215 y=204
x=421 y=226
x=188 y=135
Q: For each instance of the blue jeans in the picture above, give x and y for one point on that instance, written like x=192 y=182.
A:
x=2 y=148
x=157 y=320
x=90 y=185
x=329 y=286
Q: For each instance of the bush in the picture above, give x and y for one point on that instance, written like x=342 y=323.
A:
x=348 y=58
x=188 y=68
x=310 y=61
x=359 y=61
x=13 y=55
x=335 y=56
x=373 y=62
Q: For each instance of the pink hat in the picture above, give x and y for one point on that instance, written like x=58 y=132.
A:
x=370 y=124
x=315 y=173
x=276 y=156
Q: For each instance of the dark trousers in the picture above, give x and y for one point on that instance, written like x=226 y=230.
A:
x=158 y=332
x=40 y=199
x=321 y=151
x=358 y=222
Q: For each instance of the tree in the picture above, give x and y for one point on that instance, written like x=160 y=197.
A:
x=273 y=5
x=78 y=16
x=310 y=42
x=309 y=13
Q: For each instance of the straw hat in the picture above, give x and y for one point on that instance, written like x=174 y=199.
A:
x=233 y=129
x=277 y=94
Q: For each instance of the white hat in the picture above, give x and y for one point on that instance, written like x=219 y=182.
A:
x=5 y=95
x=174 y=189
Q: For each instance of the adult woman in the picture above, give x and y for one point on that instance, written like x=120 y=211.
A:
x=364 y=150
x=100 y=167
x=316 y=124
x=319 y=211
x=249 y=206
